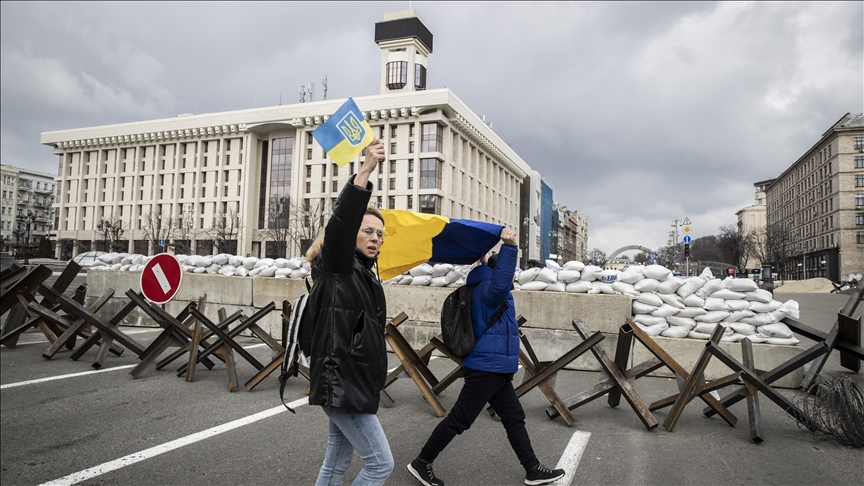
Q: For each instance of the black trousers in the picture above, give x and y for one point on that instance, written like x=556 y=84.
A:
x=482 y=387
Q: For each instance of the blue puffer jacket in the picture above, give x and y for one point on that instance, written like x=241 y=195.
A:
x=497 y=351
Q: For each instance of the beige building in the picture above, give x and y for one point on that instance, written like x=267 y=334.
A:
x=254 y=181
x=752 y=221
x=26 y=212
x=571 y=241
x=815 y=208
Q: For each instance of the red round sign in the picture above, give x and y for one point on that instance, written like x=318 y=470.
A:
x=161 y=278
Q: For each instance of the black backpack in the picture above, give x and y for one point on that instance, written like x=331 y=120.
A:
x=299 y=340
x=457 y=325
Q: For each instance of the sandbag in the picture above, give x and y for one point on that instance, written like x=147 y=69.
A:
x=294 y=263
x=406 y=280
x=422 y=269
x=249 y=263
x=732 y=338
x=694 y=300
x=235 y=261
x=534 y=285
x=598 y=287
x=529 y=275
x=252 y=273
x=669 y=286
x=264 y=262
x=759 y=295
x=785 y=341
x=438 y=282
x=578 y=287
x=657 y=272
x=650 y=299
x=568 y=276
x=727 y=294
x=653 y=330
x=684 y=322
x=452 y=276
x=672 y=299
x=712 y=304
x=421 y=280
x=741 y=285
x=547 y=275
x=299 y=273
x=283 y=272
x=665 y=310
x=213 y=269
x=125 y=267
x=777 y=330
x=608 y=276
x=632 y=275
x=646 y=285
x=199 y=270
x=712 y=316
x=760 y=319
x=647 y=320
x=710 y=287
x=756 y=338
x=737 y=315
x=441 y=269
x=691 y=312
x=740 y=328
x=242 y=271
x=574 y=265
x=623 y=288
x=765 y=307
x=738 y=305
x=690 y=286
x=280 y=262
x=267 y=271
x=792 y=308
x=641 y=308
x=589 y=273
x=675 y=332
x=221 y=259
x=698 y=335
x=553 y=265
x=556 y=287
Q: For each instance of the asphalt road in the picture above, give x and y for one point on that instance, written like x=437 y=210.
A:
x=52 y=429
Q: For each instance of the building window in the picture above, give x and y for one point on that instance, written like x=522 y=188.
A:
x=391 y=202
x=419 y=77
x=430 y=173
x=410 y=203
x=859 y=237
x=859 y=218
x=411 y=147
x=308 y=171
x=431 y=140
x=397 y=74
x=335 y=186
x=392 y=166
x=309 y=154
x=430 y=204
x=410 y=183
x=309 y=138
x=323 y=186
x=393 y=131
x=859 y=199
x=393 y=148
x=411 y=130
x=859 y=161
x=859 y=180
x=392 y=184
x=411 y=165
x=859 y=143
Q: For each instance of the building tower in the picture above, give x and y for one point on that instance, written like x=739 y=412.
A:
x=405 y=44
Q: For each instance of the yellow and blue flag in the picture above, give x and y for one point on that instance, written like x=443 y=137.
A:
x=345 y=134
x=415 y=238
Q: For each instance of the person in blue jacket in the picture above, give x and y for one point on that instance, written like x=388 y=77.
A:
x=489 y=370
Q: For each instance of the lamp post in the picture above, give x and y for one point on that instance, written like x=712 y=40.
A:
x=28 y=223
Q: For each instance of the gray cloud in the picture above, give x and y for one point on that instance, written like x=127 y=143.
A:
x=634 y=112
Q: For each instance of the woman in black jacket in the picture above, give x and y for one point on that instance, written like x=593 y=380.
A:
x=349 y=357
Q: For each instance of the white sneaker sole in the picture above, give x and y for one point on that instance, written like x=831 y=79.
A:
x=535 y=482
x=417 y=475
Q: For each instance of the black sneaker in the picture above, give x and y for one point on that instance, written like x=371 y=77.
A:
x=541 y=474
x=423 y=472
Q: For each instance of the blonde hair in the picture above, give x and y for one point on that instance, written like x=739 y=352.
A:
x=315 y=247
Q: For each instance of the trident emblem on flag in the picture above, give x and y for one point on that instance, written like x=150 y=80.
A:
x=351 y=128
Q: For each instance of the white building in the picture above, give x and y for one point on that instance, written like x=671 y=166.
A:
x=752 y=221
x=26 y=212
x=261 y=169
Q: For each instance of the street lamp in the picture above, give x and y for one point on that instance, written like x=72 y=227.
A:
x=28 y=223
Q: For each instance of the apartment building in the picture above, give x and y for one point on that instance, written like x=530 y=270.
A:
x=815 y=208
x=26 y=212
x=261 y=169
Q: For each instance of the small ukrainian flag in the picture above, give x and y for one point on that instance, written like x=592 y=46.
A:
x=345 y=134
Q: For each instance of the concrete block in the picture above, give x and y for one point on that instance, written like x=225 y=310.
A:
x=266 y=290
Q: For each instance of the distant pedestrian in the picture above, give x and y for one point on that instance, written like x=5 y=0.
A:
x=349 y=355
x=489 y=370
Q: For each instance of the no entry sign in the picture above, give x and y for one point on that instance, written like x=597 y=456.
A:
x=161 y=278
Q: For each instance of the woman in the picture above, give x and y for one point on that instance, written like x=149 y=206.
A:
x=349 y=357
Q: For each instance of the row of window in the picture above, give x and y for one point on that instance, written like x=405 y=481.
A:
x=397 y=75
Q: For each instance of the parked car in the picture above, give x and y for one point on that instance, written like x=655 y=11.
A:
x=88 y=258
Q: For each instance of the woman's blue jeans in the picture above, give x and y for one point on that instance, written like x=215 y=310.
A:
x=361 y=431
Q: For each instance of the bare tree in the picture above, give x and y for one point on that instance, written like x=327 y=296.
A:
x=778 y=247
x=596 y=257
x=184 y=233
x=668 y=255
x=157 y=229
x=307 y=222
x=735 y=243
x=224 y=231
x=278 y=229
x=109 y=231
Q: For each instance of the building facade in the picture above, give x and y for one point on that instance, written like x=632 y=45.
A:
x=26 y=212
x=752 y=221
x=815 y=208
x=255 y=182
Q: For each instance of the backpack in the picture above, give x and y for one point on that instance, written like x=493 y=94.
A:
x=299 y=341
x=457 y=324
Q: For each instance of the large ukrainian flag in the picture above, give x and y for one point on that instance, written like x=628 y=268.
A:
x=345 y=134
x=415 y=238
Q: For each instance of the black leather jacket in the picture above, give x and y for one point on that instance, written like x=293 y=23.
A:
x=349 y=355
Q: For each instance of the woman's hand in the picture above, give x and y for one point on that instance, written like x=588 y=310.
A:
x=508 y=236
x=374 y=155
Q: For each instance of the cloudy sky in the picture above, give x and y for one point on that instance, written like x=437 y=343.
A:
x=635 y=113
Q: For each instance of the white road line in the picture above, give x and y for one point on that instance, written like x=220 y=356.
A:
x=170 y=446
x=570 y=458
x=125 y=332
x=62 y=377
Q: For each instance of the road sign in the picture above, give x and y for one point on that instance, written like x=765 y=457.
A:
x=161 y=242
x=686 y=229
x=686 y=222
x=161 y=277
x=654 y=255
x=687 y=239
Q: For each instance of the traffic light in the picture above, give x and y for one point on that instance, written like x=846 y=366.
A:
x=686 y=249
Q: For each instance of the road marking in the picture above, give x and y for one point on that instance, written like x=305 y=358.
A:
x=570 y=458
x=170 y=446
x=128 y=332
x=62 y=377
